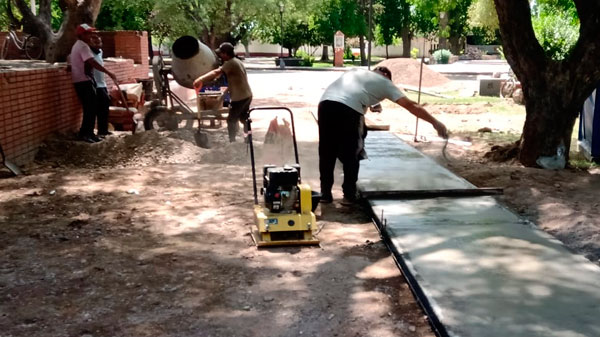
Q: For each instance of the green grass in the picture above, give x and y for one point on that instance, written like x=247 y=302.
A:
x=497 y=105
x=347 y=63
x=453 y=99
x=577 y=161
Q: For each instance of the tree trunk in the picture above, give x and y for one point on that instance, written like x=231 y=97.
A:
x=443 y=42
x=554 y=91
x=363 y=57
x=246 y=44
x=455 y=45
x=58 y=45
x=406 y=42
x=548 y=124
x=387 y=54
x=325 y=53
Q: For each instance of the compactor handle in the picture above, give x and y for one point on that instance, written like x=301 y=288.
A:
x=249 y=126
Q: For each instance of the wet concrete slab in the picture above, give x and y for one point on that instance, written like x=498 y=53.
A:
x=480 y=270
x=394 y=165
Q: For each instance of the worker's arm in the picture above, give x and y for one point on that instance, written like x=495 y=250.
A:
x=99 y=67
x=209 y=76
x=421 y=113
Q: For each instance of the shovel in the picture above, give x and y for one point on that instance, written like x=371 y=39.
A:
x=124 y=98
x=12 y=167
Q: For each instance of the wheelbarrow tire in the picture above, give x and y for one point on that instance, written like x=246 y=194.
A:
x=152 y=116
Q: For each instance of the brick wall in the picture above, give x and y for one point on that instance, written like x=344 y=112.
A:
x=123 y=44
x=35 y=103
x=128 y=45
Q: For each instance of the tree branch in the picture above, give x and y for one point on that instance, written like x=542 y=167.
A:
x=524 y=53
x=584 y=59
x=11 y=16
x=45 y=13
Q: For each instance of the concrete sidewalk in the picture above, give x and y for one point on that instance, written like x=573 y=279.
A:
x=477 y=268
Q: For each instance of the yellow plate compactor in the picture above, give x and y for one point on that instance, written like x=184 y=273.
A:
x=286 y=215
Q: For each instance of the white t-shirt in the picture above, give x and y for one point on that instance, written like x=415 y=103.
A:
x=80 y=53
x=360 y=89
x=98 y=75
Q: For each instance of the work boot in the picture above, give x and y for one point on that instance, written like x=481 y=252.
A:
x=350 y=199
x=95 y=138
x=326 y=198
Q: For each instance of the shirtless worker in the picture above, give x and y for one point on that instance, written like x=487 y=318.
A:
x=341 y=123
x=239 y=89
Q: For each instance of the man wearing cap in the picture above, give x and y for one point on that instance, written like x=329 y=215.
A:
x=82 y=63
x=341 y=123
x=239 y=89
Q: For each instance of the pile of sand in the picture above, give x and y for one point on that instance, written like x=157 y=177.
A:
x=405 y=71
x=123 y=150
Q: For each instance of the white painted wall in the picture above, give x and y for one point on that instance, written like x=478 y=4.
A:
x=394 y=51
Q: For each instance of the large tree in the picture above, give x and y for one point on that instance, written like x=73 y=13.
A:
x=554 y=90
x=390 y=22
x=333 y=15
x=213 y=21
x=57 y=44
x=125 y=15
x=450 y=17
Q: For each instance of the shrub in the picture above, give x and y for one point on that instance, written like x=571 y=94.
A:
x=307 y=60
x=348 y=52
x=414 y=53
x=441 y=56
x=557 y=34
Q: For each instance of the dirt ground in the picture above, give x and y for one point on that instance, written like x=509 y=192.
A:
x=147 y=235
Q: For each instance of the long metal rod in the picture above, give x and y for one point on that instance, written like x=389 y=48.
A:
x=426 y=194
x=419 y=95
x=249 y=126
x=370 y=33
x=436 y=325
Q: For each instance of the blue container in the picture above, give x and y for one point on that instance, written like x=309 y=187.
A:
x=589 y=127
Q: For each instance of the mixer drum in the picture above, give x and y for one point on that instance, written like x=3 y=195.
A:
x=191 y=59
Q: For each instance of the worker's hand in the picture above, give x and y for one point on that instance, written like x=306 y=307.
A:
x=441 y=129
x=198 y=85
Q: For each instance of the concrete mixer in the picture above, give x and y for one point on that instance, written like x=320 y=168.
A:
x=191 y=58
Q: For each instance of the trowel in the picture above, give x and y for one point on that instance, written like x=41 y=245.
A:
x=12 y=167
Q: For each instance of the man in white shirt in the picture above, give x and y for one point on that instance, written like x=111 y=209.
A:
x=101 y=90
x=341 y=123
x=82 y=62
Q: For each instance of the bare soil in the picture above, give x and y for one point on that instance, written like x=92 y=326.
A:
x=148 y=235
x=405 y=71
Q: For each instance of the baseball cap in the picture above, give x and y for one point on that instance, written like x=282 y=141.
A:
x=85 y=28
x=226 y=48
